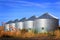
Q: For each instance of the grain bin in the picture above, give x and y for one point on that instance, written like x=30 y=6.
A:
x=11 y=25
x=28 y=24
x=6 y=26
x=46 y=23
x=15 y=21
x=20 y=23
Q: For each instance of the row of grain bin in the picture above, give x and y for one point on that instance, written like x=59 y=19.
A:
x=43 y=23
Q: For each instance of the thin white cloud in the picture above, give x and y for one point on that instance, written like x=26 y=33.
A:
x=23 y=3
x=30 y=3
x=19 y=3
x=58 y=4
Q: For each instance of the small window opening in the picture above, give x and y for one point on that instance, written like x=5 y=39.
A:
x=42 y=28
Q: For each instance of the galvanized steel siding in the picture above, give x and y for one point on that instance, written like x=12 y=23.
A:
x=46 y=24
x=19 y=25
x=6 y=27
x=11 y=25
x=28 y=24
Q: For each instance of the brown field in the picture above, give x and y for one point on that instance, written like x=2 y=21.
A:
x=23 y=35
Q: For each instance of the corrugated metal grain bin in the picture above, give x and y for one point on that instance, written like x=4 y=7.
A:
x=11 y=25
x=19 y=24
x=46 y=23
x=15 y=21
x=6 y=26
x=28 y=24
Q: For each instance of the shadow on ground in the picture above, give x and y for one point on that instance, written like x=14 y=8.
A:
x=6 y=37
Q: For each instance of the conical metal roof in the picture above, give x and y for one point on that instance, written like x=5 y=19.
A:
x=47 y=16
x=32 y=18
x=16 y=20
x=9 y=22
x=22 y=20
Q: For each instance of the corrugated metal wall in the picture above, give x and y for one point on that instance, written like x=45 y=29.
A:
x=28 y=24
x=45 y=25
x=6 y=27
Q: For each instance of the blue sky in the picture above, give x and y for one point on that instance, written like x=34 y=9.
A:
x=17 y=9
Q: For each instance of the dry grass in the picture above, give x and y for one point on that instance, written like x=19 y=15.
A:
x=24 y=34
x=57 y=33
